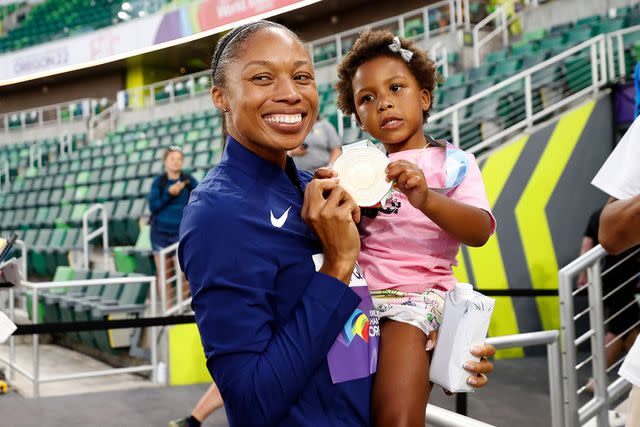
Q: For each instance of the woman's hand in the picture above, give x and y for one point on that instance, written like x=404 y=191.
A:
x=410 y=181
x=325 y=173
x=478 y=369
x=332 y=215
x=177 y=187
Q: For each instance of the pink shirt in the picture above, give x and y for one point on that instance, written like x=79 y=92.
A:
x=404 y=249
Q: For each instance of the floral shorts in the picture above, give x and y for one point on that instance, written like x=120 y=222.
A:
x=424 y=311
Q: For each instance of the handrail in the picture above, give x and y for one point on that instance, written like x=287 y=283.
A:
x=599 y=79
x=4 y=162
x=438 y=54
x=500 y=28
x=108 y=116
x=35 y=156
x=164 y=256
x=604 y=394
x=48 y=114
x=440 y=417
x=619 y=48
x=66 y=142
x=400 y=18
x=35 y=288
x=87 y=237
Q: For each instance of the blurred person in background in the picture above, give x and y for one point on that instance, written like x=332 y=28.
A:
x=168 y=197
x=320 y=148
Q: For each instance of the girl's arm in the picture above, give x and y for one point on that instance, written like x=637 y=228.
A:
x=158 y=200
x=468 y=224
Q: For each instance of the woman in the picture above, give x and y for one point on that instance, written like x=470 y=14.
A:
x=249 y=235
x=168 y=196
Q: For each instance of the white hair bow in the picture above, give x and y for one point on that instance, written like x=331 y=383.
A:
x=397 y=48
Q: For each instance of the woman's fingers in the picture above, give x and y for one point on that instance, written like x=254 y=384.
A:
x=325 y=173
x=314 y=196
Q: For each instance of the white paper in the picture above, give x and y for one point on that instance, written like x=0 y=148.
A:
x=7 y=327
x=619 y=177
x=10 y=272
x=464 y=325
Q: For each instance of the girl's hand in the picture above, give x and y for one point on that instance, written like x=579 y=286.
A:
x=478 y=369
x=332 y=214
x=410 y=181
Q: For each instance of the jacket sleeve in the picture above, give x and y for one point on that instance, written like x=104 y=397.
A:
x=260 y=369
x=158 y=200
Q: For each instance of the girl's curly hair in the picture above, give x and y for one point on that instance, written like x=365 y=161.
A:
x=373 y=44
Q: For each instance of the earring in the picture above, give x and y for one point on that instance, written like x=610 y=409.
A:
x=226 y=110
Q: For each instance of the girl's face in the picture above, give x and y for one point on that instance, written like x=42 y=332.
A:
x=174 y=161
x=389 y=103
x=270 y=94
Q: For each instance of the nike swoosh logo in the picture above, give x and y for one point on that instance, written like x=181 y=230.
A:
x=279 y=222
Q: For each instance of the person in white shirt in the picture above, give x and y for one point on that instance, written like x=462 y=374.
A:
x=620 y=230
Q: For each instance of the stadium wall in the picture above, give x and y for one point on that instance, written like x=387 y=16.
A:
x=540 y=193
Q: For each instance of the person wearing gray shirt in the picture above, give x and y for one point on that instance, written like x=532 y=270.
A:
x=320 y=148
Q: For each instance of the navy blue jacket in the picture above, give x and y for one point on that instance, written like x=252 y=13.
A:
x=165 y=208
x=266 y=318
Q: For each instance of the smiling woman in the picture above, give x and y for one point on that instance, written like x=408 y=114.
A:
x=267 y=315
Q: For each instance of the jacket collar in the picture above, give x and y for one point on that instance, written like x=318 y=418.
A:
x=238 y=156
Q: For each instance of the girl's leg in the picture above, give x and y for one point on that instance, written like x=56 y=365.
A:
x=210 y=402
x=401 y=386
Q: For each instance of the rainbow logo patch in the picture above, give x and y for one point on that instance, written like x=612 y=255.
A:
x=358 y=324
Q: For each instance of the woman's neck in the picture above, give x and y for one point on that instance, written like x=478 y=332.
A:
x=173 y=175
x=417 y=141
x=277 y=157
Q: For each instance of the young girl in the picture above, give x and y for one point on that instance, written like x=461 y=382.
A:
x=410 y=244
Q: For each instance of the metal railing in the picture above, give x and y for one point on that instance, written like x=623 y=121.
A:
x=103 y=123
x=576 y=335
x=449 y=10
x=439 y=55
x=35 y=156
x=440 y=417
x=499 y=112
x=79 y=109
x=66 y=143
x=89 y=236
x=500 y=19
x=34 y=375
x=616 y=58
x=165 y=92
x=5 y=176
x=172 y=278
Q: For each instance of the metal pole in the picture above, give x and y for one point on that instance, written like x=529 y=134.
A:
x=610 y=62
x=36 y=345
x=154 y=343
x=163 y=281
x=425 y=20
x=452 y=17
x=467 y=16
x=528 y=101
x=476 y=47
x=178 y=273
x=12 y=339
x=596 y=319
x=505 y=28
x=461 y=403
x=621 y=59
x=455 y=128
x=105 y=239
x=594 y=68
x=555 y=383
x=603 y=62
x=568 y=348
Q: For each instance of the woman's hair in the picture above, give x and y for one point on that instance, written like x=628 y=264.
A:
x=172 y=149
x=229 y=48
x=374 y=44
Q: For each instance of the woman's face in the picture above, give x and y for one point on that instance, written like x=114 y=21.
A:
x=174 y=161
x=270 y=94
